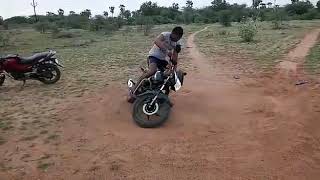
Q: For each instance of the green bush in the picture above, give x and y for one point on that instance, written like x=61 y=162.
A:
x=311 y=14
x=225 y=17
x=64 y=35
x=5 y=26
x=147 y=26
x=4 y=39
x=42 y=27
x=276 y=24
x=223 y=32
x=247 y=31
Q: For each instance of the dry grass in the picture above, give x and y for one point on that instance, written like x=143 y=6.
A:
x=268 y=45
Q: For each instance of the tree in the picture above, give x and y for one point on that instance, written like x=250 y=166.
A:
x=50 y=14
x=189 y=4
x=256 y=3
x=269 y=4
x=294 y=1
x=106 y=14
x=225 y=17
x=34 y=5
x=17 y=20
x=122 y=10
x=111 y=10
x=218 y=5
x=188 y=13
x=61 y=12
x=1 y=20
x=127 y=14
x=149 y=9
x=318 y=5
x=175 y=6
x=72 y=13
x=299 y=8
x=86 y=13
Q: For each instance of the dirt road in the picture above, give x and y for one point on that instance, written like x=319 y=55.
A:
x=220 y=128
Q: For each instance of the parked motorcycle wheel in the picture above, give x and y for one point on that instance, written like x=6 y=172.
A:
x=49 y=73
x=147 y=116
x=2 y=78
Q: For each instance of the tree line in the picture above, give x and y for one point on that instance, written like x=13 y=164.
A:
x=151 y=13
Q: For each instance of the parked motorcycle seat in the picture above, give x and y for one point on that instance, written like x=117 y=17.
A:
x=35 y=57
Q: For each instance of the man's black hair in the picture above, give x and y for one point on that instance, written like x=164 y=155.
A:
x=178 y=31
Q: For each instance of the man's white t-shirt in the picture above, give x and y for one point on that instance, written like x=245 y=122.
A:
x=170 y=45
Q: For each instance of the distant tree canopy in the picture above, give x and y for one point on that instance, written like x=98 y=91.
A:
x=298 y=7
x=151 y=13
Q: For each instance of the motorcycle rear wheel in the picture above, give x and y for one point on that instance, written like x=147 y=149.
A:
x=150 y=117
x=49 y=73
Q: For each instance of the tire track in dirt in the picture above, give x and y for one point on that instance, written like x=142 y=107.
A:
x=296 y=57
x=219 y=129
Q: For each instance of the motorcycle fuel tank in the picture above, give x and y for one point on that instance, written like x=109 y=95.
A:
x=12 y=65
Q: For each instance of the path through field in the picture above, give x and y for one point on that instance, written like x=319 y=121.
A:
x=221 y=128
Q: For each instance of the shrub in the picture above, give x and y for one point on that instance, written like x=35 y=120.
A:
x=276 y=24
x=148 y=25
x=247 y=31
x=225 y=17
x=5 y=26
x=4 y=40
x=311 y=14
x=222 y=32
x=42 y=27
x=64 y=35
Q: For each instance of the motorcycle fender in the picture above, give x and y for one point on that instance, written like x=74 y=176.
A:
x=149 y=93
x=153 y=93
x=55 y=61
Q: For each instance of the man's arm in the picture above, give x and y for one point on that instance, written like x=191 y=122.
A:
x=160 y=42
x=174 y=56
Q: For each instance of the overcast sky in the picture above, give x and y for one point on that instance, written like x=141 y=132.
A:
x=11 y=8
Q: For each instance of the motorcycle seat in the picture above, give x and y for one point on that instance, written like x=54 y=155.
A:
x=35 y=57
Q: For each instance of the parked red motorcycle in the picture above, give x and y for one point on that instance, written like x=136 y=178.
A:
x=41 y=66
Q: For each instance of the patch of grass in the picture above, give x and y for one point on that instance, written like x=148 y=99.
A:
x=5 y=125
x=43 y=132
x=28 y=138
x=23 y=128
x=2 y=141
x=53 y=137
x=312 y=64
x=35 y=121
x=24 y=156
x=44 y=166
x=269 y=44
x=46 y=156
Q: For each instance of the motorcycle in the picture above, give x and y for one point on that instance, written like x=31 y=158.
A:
x=41 y=66
x=152 y=105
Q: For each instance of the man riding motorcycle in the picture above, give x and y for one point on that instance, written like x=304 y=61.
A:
x=166 y=44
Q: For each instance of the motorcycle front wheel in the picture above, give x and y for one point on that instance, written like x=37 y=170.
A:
x=49 y=73
x=147 y=116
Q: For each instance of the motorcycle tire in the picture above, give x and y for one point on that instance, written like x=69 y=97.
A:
x=2 y=79
x=49 y=68
x=140 y=107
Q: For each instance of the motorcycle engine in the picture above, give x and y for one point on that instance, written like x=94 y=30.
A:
x=17 y=76
x=158 y=77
